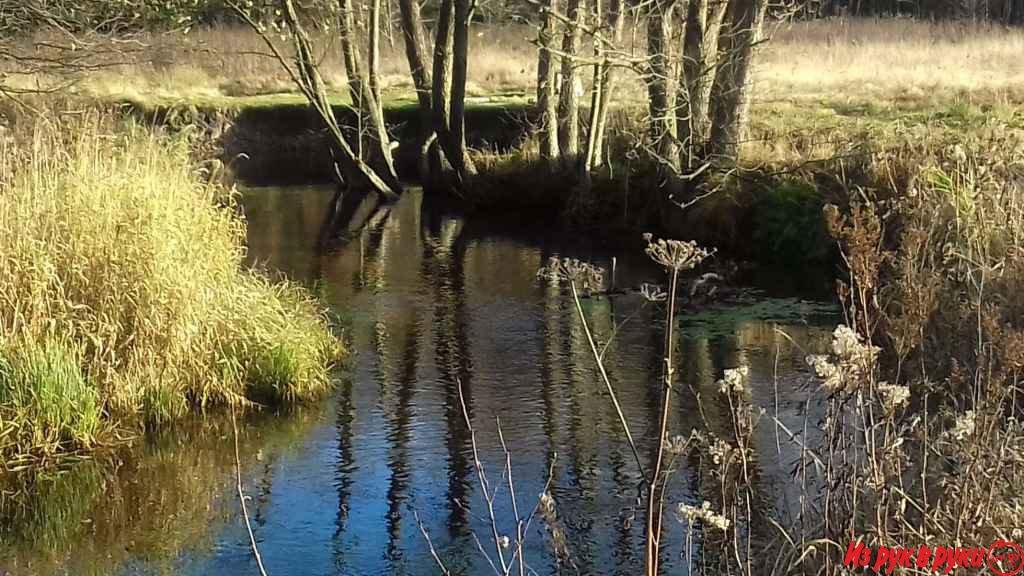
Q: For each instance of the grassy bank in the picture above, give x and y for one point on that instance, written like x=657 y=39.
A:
x=281 y=141
x=123 y=298
x=799 y=156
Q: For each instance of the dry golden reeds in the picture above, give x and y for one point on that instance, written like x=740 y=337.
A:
x=122 y=293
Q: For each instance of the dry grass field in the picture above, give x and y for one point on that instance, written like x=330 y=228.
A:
x=835 y=60
x=892 y=59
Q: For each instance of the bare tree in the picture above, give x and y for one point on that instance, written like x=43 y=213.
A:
x=431 y=162
x=700 y=59
x=353 y=170
x=610 y=39
x=661 y=86
x=365 y=97
x=415 y=49
x=547 y=81
x=597 y=91
x=730 y=95
x=460 y=160
x=569 y=103
x=451 y=60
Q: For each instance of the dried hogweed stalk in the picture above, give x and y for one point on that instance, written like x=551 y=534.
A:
x=586 y=277
x=678 y=445
x=675 y=254
x=719 y=451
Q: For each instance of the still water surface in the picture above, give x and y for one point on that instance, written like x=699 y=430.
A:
x=429 y=300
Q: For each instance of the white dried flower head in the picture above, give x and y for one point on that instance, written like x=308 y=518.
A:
x=586 y=277
x=503 y=541
x=962 y=428
x=845 y=341
x=848 y=368
x=675 y=254
x=547 y=501
x=828 y=372
x=734 y=380
x=892 y=396
x=677 y=445
x=691 y=514
x=653 y=292
x=719 y=450
x=958 y=154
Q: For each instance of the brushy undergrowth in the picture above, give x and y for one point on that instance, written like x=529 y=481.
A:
x=919 y=438
x=122 y=293
x=922 y=440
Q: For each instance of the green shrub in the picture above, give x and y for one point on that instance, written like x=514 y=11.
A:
x=788 y=226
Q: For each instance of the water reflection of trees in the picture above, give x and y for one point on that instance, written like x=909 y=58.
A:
x=443 y=266
x=422 y=272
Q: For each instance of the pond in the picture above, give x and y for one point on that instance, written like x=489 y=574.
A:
x=431 y=301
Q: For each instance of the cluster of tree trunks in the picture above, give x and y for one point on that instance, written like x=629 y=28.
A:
x=696 y=70
x=364 y=154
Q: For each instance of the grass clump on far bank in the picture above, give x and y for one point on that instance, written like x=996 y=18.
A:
x=122 y=295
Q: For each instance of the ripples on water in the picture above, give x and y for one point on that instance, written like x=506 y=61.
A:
x=429 y=300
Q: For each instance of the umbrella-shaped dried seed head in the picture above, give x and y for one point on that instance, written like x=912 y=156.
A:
x=586 y=277
x=675 y=254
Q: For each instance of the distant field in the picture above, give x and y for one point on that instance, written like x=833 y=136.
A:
x=894 y=59
x=878 y=60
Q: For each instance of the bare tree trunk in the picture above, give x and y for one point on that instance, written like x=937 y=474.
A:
x=462 y=163
x=415 y=53
x=374 y=53
x=617 y=20
x=449 y=84
x=730 y=100
x=547 y=78
x=569 y=103
x=354 y=171
x=596 y=93
x=415 y=49
x=661 y=84
x=363 y=98
x=700 y=59
x=442 y=88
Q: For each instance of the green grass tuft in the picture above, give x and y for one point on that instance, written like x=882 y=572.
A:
x=43 y=386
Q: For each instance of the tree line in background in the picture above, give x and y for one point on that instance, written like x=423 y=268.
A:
x=86 y=14
x=1006 y=12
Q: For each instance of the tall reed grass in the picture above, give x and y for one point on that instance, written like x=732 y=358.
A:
x=122 y=294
